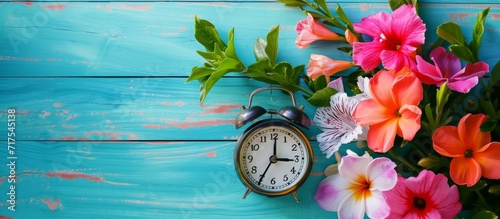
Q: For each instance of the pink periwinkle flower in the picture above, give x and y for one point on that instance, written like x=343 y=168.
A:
x=396 y=38
x=359 y=187
x=447 y=67
x=426 y=196
x=310 y=30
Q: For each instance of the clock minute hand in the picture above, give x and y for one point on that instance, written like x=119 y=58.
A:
x=274 y=147
x=264 y=173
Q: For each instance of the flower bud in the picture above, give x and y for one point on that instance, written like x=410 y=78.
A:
x=428 y=162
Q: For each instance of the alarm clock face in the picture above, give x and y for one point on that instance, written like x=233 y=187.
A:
x=273 y=157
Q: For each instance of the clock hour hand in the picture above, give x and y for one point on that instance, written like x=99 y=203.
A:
x=264 y=173
x=285 y=159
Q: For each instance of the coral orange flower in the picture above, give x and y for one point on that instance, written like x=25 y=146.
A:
x=310 y=30
x=393 y=109
x=322 y=65
x=472 y=152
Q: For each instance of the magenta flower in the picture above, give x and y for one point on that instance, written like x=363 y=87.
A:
x=359 y=187
x=426 y=196
x=447 y=67
x=396 y=38
x=310 y=30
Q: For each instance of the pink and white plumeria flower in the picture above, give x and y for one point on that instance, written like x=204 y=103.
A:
x=336 y=121
x=359 y=187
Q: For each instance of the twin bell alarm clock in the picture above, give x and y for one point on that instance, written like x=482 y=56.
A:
x=273 y=157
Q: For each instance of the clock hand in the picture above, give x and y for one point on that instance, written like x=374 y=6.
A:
x=263 y=174
x=274 y=147
x=285 y=159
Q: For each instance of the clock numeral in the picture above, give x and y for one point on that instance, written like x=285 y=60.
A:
x=284 y=140
x=274 y=136
x=263 y=139
x=254 y=170
x=294 y=147
x=285 y=178
x=255 y=147
x=273 y=181
x=296 y=158
x=293 y=170
x=250 y=159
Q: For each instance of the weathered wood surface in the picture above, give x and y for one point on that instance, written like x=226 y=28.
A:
x=106 y=127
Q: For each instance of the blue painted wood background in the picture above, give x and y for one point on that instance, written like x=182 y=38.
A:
x=106 y=127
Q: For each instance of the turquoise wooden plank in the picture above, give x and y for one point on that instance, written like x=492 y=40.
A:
x=130 y=108
x=223 y=1
x=143 y=180
x=156 y=38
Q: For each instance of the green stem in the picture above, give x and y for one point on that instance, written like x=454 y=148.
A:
x=481 y=199
x=402 y=160
x=303 y=90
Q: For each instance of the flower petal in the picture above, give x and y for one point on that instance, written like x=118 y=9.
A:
x=465 y=171
x=406 y=24
x=447 y=142
x=331 y=192
x=381 y=174
x=407 y=90
x=451 y=205
x=478 y=69
x=353 y=167
x=323 y=118
x=471 y=134
x=381 y=88
x=352 y=208
x=447 y=63
x=337 y=84
x=488 y=158
x=367 y=54
x=463 y=86
x=328 y=144
x=381 y=136
x=397 y=60
x=397 y=198
x=409 y=122
x=369 y=112
x=427 y=73
x=374 y=25
x=376 y=205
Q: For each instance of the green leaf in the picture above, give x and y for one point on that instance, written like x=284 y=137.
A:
x=319 y=83
x=322 y=4
x=452 y=33
x=478 y=31
x=211 y=57
x=478 y=186
x=489 y=125
x=322 y=97
x=206 y=34
x=260 y=71
x=395 y=4
x=343 y=17
x=199 y=72
x=495 y=73
x=428 y=113
x=494 y=189
x=272 y=44
x=259 y=49
x=463 y=53
x=227 y=65
x=485 y=214
x=293 y=3
x=488 y=108
x=230 y=51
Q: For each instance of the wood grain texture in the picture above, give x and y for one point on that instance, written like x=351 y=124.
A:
x=131 y=108
x=144 y=180
x=107 y=128
x=156 y=39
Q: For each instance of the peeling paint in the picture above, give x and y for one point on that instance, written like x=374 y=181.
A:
x=55 y=7
x=53 y=205
x=73 y=176
x=222 y=109
x=57 y=105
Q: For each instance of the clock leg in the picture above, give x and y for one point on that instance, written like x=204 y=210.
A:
x=246 y=193
x=295 y=196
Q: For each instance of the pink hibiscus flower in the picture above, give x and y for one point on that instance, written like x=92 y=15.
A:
x=396 y=38
x=426 y=196
x=447 y=67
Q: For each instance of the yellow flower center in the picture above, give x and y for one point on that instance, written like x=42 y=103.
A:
x=361 y=189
